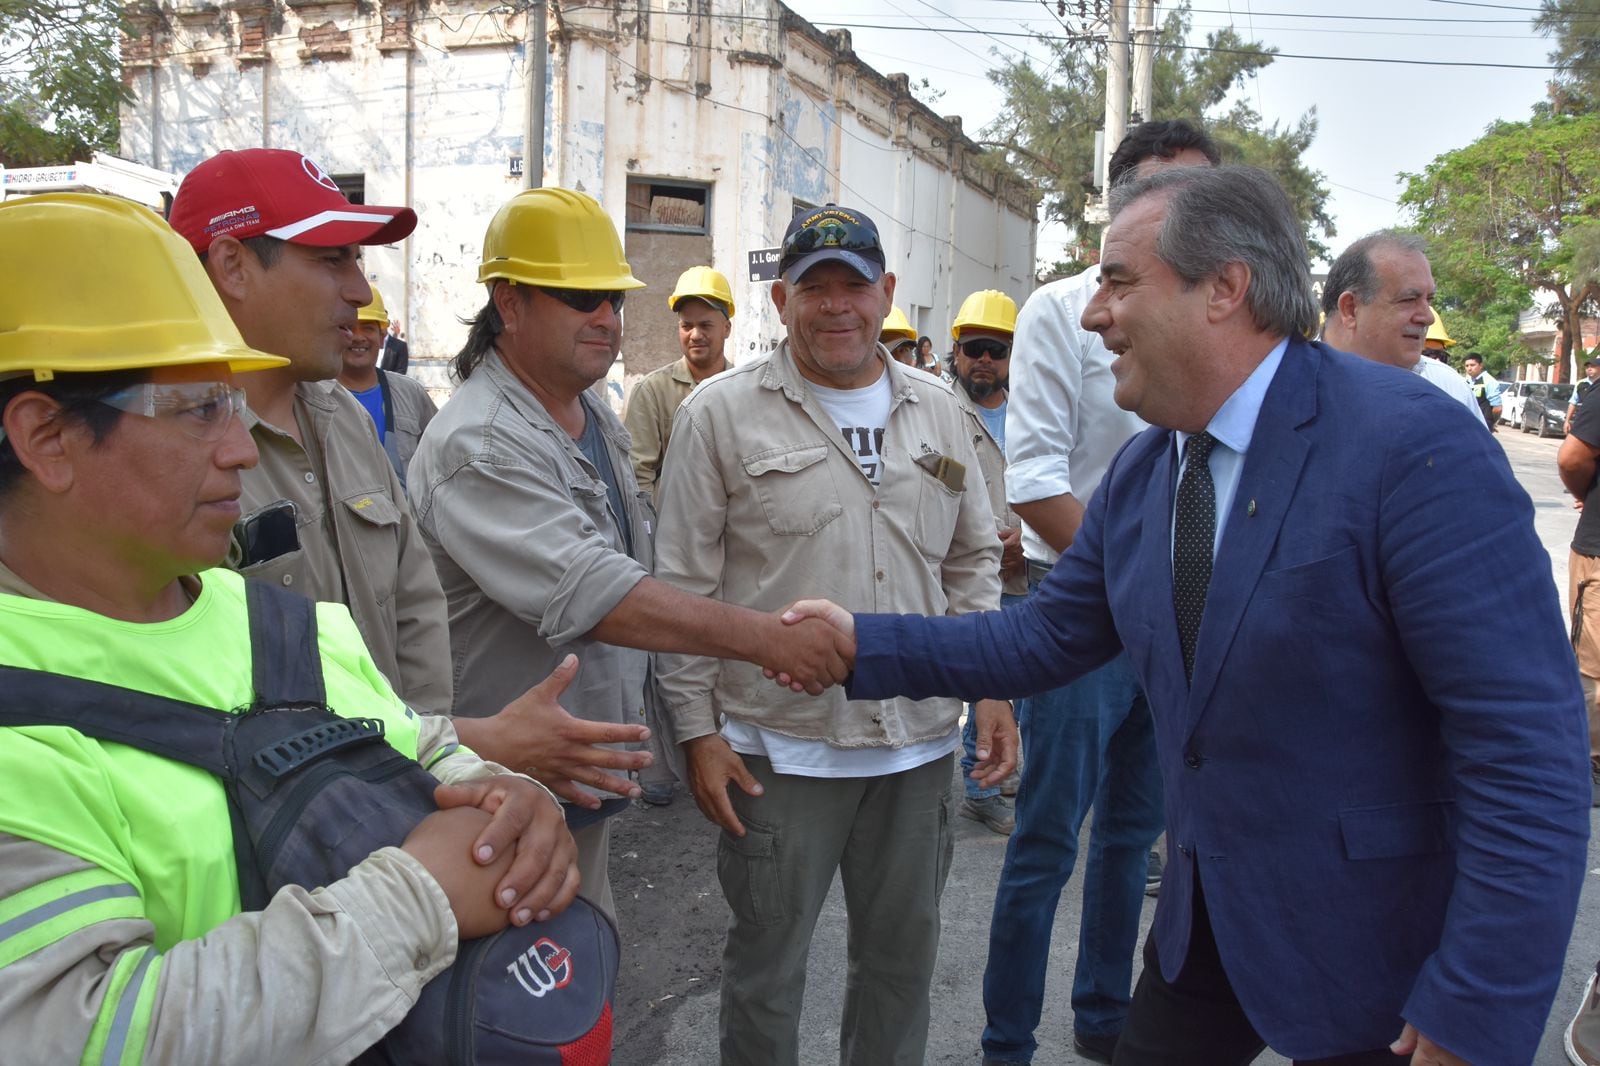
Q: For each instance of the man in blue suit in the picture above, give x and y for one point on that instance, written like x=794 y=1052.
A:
x=1374 y=839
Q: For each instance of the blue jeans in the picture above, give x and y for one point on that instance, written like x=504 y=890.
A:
x=969 y=740
x=1090 y=743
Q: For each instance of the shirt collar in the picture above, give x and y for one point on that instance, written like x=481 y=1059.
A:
x=1235 y=421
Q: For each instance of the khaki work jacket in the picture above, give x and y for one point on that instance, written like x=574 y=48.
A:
x=359 y=544
x=528 y=548
x=763 y=504
x=651 y=405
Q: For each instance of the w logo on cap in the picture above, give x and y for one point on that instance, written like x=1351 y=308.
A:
x=317 y=174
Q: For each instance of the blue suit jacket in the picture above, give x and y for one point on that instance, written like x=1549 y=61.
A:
x=1380 y=767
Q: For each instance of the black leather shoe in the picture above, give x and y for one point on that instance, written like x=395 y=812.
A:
x=1095 y=1047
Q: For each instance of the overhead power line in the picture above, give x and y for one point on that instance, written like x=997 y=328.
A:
x=226 y=47
x=1497 y=7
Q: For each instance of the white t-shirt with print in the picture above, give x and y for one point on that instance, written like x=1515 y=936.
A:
x=861 y=415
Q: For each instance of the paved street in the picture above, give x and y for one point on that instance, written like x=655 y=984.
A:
x=664 y=870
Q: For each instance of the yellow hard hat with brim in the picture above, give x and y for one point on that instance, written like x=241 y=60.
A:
x=374 y=311
x=1437 y=332
x=556 y=238
x=988 y=309
x=896 y=327
x=93 y=283
x=703 y=283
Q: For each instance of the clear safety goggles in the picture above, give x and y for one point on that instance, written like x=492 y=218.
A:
x=202 y=409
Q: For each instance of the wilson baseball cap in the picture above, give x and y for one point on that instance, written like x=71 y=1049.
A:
x=831 y=233
x=270 y=192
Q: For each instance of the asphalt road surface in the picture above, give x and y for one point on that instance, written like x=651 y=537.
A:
x=663 y=868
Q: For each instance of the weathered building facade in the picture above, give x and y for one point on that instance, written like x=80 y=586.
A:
x=701 y=125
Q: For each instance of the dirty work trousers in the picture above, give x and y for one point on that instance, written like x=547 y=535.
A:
x=891 y=841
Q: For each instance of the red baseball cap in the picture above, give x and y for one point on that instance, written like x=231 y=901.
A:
x=270 y=192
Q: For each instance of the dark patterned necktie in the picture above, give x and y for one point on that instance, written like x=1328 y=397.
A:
x=1194 y=534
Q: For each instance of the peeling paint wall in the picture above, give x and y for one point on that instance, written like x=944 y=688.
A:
x=427 y=101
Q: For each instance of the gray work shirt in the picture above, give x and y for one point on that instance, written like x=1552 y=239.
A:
x=529 y=549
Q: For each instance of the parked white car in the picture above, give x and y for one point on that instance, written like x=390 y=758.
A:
x=1512 y=398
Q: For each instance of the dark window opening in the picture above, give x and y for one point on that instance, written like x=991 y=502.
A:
x=354 y=186
x=671 y=206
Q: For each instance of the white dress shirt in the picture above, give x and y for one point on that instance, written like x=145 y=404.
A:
x=1233 y=425
x=1062 y=426
x=1454 y=385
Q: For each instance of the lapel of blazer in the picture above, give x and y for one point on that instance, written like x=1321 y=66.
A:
x=1266 y=486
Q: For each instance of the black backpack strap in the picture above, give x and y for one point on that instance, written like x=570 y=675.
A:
x=287 y=670
x=285 y=661
x=186 y=732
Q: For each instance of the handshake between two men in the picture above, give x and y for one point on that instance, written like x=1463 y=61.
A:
x=807 y=648
x=713 y=764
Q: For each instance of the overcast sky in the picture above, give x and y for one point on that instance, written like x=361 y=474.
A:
x=1376 y=119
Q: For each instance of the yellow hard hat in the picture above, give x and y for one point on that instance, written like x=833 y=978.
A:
x=897 y=327
x=374 y=311
x=557 y=238
x=1437 y=332
x=986 y=309
x=95 y=283
x=703 y=283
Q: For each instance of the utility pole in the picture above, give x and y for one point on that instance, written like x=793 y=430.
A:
x=1116 y=122
x=536 y=52
x=1144 y=61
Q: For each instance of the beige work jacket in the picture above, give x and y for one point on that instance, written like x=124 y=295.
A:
x=651 y=405
x=528 y=548
x=359 y=544
x=763 y=504
x=993 y=462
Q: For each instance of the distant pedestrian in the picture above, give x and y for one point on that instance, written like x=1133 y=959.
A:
x=702 y=300
x=395 y=356
x=983 y=330
x=703 y=304
x=400 y=407
x=1486 y=391
x=1580 y=391
x=901 y=340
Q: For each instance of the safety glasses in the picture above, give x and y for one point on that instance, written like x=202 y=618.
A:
x=586 y=301
x=977 y=349
x=202 y=409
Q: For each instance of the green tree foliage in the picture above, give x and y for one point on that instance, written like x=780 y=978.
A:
x=1489 y=333
x=1515 y=211
x=1574 y=25
x=60 y=79
x=1047 y=125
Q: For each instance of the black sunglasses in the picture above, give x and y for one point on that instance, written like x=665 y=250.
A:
x=586 y=301
x=977 y=349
